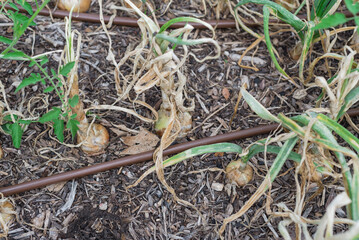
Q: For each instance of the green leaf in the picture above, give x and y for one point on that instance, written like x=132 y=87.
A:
x=321 y=8
x=14 y=56
x=44 y=60
x=59 y=128
x=6 y=128
x=51 y=115
x=331 y=21
x=184 y=19
x=66 y=69
x=281 y=13
x=291 y=124
x=48 y=89
x=53 y=72
x=353 y=6
x=32 y=63
x=26 y=122
x=13 y=5
x=9 y=119
x=340 y=130
x=16 y=134
x=26 y=6
x=72 y=125
x=351 y=98
x=355 y=196
x=255 y=149
x=212 y=148
x=74 y=101
x=268 y=41
x=5 y=40
x=257 y=107
x=306 y=46
x=22 y=19
x=34 y=78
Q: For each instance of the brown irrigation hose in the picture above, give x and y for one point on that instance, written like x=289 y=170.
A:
x=132 y=22
x=128 y=160
x=78 y=173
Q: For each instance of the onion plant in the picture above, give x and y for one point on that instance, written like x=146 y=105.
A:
x=156 y=63
x=307 y=31
x=163 y=68
x=94 y=137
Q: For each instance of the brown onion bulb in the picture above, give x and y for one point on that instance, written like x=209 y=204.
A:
x=235 y=173
x=80 y=5
x=185 y=119
x=6 y=214
x=296 y=52
x=97 y=140
x=1 y=152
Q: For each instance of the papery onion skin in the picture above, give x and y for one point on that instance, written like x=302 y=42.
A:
x=80 y=5
x=5 y=212
x=1 y=153
x=97 y=140
x=185 y=119
x=162 y=122
x=235 y=174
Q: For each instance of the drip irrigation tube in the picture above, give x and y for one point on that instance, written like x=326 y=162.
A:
x=132 y=22
x=141 y=157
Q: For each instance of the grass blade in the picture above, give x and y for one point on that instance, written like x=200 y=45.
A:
x=255 y=149
x=283 y=13
x=355 y=197
x=269 y=43
x=257 y=107
x=212 y=148
x=340 y=130
x=307 y=43
x=185 y=19
x=291 y=124
x=351 y=98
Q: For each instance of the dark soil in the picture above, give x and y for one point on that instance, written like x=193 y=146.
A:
x=102 y=207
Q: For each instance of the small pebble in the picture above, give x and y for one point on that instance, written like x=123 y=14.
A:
x=103 y=206
x=217 y=186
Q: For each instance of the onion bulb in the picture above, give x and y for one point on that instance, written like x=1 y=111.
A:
x=239 y=174
x=6 y=216
x=79 y=5
x=1 y=152
x=96 y=141
x=296 y=52
x=184 y=118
